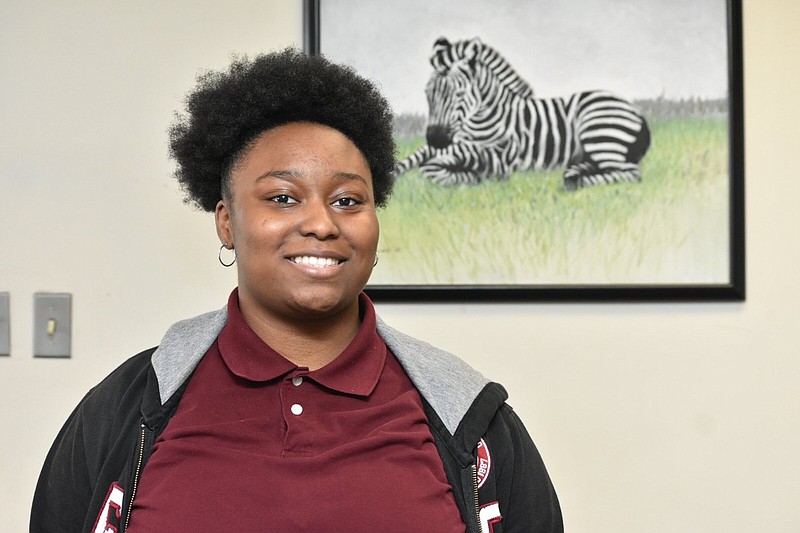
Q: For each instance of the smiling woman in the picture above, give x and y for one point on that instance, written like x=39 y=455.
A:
x=301 y=214
x=294 y=407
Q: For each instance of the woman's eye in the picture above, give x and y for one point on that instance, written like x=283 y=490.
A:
x=283 y=199
x=345 y=202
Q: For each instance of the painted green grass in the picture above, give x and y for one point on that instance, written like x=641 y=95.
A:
x=670 y=228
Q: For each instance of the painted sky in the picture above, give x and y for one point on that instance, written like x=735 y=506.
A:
x=637 y=48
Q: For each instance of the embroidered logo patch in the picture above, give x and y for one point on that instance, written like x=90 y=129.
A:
x=484 y=462
x=489 y=515
x=108 y=519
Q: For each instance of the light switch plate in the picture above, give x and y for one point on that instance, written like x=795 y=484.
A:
x=52 y=324
x=5 y=324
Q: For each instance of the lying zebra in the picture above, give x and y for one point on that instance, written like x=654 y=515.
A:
x=485 y=122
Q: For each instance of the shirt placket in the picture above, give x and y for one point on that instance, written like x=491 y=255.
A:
x=298 y=413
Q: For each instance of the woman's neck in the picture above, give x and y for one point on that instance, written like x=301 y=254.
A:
x=307 y=341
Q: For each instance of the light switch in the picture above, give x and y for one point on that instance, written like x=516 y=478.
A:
x=52 y=324
x=5 y=324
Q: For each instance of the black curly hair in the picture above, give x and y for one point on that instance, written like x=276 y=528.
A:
x=228 y=110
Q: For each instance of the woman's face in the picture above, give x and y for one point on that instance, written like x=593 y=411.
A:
x=302 y=221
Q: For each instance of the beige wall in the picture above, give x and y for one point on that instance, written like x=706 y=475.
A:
x=663 y=417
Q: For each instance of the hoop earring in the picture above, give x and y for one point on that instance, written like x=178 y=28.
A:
x=376 y=261
x=219 y=256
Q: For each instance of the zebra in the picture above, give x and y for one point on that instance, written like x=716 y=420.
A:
x=485 y=122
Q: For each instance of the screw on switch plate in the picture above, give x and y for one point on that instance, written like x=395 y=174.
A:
x=52 y=324
x=5 y=325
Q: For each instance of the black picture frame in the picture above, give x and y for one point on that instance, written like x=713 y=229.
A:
x=732 y=290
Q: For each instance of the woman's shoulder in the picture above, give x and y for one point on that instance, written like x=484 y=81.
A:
x=448 y=383
x=131 y=375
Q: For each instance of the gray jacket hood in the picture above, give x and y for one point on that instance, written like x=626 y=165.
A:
x=447 y=383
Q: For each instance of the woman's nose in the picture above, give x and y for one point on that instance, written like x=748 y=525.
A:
x=319 y=220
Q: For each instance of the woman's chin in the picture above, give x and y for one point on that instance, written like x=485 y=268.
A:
x=323 y=304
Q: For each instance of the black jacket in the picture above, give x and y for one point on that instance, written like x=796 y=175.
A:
x=91 y=472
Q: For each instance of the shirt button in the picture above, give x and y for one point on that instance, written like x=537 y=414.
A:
x=297 y=409
x=297 y=381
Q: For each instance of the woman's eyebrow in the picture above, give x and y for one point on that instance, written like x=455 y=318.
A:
x=350 y=177
x=282 y=174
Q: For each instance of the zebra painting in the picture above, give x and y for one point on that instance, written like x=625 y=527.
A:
x=484 y=122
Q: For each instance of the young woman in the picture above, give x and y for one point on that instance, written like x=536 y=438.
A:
x=294 y=407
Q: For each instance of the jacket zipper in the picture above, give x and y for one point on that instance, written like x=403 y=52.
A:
x=136 y=477
x=477 y=502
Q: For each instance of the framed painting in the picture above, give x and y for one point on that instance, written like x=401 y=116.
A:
x=580 y=150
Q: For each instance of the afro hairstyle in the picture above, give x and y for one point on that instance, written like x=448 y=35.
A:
x=228 y=110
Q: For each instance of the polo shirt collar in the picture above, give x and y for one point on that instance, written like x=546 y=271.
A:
x=355 y=371
x=359 y=366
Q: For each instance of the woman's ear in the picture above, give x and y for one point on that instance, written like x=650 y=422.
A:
x=222 y=219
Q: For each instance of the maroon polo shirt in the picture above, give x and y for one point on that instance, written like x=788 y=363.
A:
x=260 y=444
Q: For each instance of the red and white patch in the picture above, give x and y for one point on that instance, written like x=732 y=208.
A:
x=489 y=515
x=109 y=517
x=484 y=462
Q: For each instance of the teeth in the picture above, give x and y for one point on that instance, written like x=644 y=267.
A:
x=315 y=261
